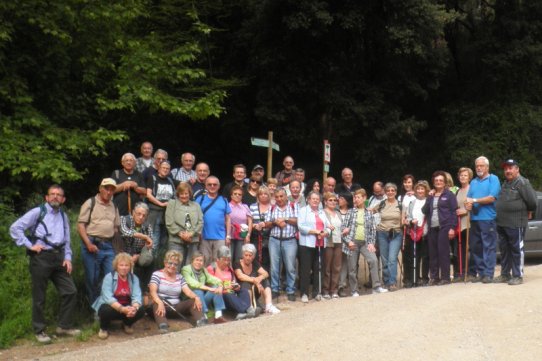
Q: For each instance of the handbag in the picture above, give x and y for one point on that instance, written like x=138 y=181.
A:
x=145 y=258
x=416 y=232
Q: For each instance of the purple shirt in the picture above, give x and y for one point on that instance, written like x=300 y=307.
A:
x=59 y=230
x=239 y=214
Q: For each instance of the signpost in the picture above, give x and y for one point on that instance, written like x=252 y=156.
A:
x=327 y=158
x=267 y=143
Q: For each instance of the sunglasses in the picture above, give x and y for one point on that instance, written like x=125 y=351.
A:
x=172 y=264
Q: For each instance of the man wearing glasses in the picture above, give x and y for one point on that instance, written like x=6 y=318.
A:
x=287 y=174
x=216 y=220
x=48 y=245
x=159 y=156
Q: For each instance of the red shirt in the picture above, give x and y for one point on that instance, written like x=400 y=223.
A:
x=122 y=293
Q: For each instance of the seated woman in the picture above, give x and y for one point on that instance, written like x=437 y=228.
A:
x=120 y=298
x=236 y=298
x=136 y=234
x=165 y=290
x=254 y=278
x=207 y=287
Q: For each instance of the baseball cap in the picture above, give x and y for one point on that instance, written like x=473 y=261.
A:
x=509 y=162
x=108 y=182
x=257 y=166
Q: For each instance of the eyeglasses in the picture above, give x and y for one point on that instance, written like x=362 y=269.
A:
x=212 y=184
x=172 y=264
x=390 y=191
x=255 y=181
x=332 y=200
x=237 y=194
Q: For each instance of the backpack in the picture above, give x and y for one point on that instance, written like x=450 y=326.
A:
x=32 y=234
x=154 y=184
x=383 y=204
x=199 y=199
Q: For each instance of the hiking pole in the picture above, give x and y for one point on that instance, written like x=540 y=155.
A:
x=414 y=252
x=459 y=245
x=319 y=296
x=467 y=249
x=129 y=201
x=171 y=307
x=253 y=296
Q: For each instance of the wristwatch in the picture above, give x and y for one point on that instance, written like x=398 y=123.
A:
x=474 y=200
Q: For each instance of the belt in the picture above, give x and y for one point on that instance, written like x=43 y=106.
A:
x=284 y=239
x=98 y=239
x=54 y=250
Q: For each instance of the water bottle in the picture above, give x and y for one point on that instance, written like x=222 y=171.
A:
x=187 y=222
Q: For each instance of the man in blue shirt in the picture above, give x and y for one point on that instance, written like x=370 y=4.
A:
x=483 y=192
x=48 y=245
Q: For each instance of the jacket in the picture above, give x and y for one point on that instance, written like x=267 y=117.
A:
x=447 y=206
x=109 y=285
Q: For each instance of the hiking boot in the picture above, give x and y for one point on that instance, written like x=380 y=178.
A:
x=326 y=296
x=501 y=279
x=474 y=279
x=42 y=337
x=129 y=330
x=219 y=320
x=291 y=297
x=408 y=284
x=514 y=281
x=335 y=296
x=433 y=282
x=202 y=322
x=379 y=289
x=444 y=282
x=305 y=299
x=392 y=288
x=487 y=279
x=67 y=332
x=368 y=284
x=318 y=297
x=103 y=334
x=457 y=279
x=275 y=296
x=241 y=316
x=342 y=293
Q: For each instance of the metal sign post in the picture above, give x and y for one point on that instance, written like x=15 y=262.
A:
x=268 y=143
x=327 y=158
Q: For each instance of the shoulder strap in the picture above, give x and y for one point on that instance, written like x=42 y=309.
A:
x=92 y=204
x=117 y=174
x=154 y=185
x=381 y=205
x=210 y=204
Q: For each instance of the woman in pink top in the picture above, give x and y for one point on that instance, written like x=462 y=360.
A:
x=241 y=222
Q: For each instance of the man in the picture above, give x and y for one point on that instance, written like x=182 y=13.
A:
x=299 y=175
x=146 y=160
x=258 y=172
x=216 y=220
x=282 y=221
x=185 y=173
x=97 y=224
x=376 y=199
x=48 y=245
x=130 y=185
x=347 y=185
x=202 y=172
x=362 y=239
x=514 y=206
x=287 y=174
x=295 y=194
x=239 y=174
x=159 y=156
x=329 y=185
x=483 y=192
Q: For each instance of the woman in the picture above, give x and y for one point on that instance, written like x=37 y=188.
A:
x=208 y=288
x=313 y=228
x=313 y=185
x=184 y=222
x=440 y=210
x=120 y=298
x=272 y=184
x=236 y=298
x=260 y=234
x=333 y=250
x=407 y=193
x=136 y=235
x=416 y=236
x=389 y=235
x=166 y=287
x=459 y=250
x=160 y=190
x=241 y=221
x=251 y=194
x=346 y=203
x=254 y=278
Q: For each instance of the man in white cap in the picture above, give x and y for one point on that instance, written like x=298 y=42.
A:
x=97 y=225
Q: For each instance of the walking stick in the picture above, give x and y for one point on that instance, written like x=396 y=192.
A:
x=459 y=244
x=260 y=246
x=467 y=249
x=414 y=252
x=129 y=201
x=319 y=296
x=253 y=296
x=171 y=307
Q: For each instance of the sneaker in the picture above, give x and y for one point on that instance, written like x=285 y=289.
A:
x=457 y=279
x=501 y=279
x=67 y=332
x=326 y=296
x=342 y=293
x=514 y=281
x=202 y=322
x=368 y=285
x=334 y=296
x=443 y=283
x=355 y=294
x=129 y=330
x=219 y=320
x=379 y=289
x=305 y=299
x=474 y=279
x=241 y=316
x=487 y=279
x=103 y=334
x=408 y=284
x=291 y=297
x=271 y=309
x=42 y=337
x=318 y=297
x=253 y=312
x=434 y=282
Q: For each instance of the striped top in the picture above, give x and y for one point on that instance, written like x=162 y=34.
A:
x=167 y=289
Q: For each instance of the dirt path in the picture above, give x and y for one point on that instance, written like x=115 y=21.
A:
x=460 y=321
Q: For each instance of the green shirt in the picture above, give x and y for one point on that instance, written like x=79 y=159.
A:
x=360 y=226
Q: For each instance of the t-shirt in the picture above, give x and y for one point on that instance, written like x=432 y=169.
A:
x=167 y=289
x=360 y=226
x=480 y=188
x=239 y=215
x=390 y=217
x=255 y=267
x=121 y=198
x=122 y=293
x=214 y=222
x=163 y=190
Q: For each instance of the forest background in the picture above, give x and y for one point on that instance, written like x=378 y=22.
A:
x=396 y=86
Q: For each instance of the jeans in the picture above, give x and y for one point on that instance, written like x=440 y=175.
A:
x=97 y=265
x=511 y=245
x=186 y=250
x=159 y=231
x=209 y=297
x=389 y=251
x=237 y=301
x=483 y=248
x=283 y=251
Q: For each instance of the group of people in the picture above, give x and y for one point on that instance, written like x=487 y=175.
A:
x=170 y=242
